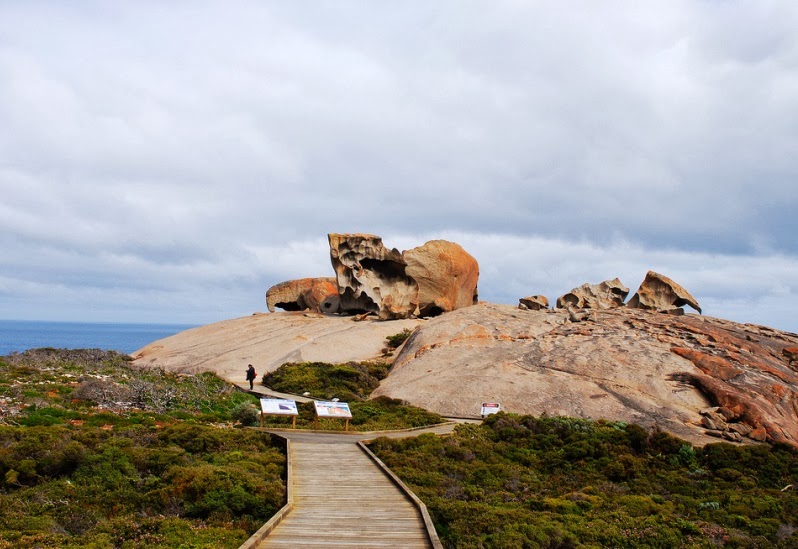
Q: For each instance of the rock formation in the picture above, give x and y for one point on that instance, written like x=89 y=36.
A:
x=533 y=303
x=428 y=280
x=626 y=364
x=660 y=293
x=700 y=378
x=446 y=276
x=605 y=295
x=316 y=294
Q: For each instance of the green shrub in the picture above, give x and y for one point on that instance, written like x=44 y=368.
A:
x=348 y=382
x=396 y=340
x=73 y=475
x=246 y=414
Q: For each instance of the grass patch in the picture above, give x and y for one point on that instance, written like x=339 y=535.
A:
x=522 y=481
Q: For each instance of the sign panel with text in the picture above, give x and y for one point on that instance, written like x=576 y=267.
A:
x=333 y=409
x=278 y=407
x=489 y=408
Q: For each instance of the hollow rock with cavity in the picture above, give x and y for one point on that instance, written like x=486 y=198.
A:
x=660 y=293
x=604 y=295
x=425 y=281
x=534 y=302
x=316 y=294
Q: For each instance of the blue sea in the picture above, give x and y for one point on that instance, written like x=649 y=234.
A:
x=21 y=335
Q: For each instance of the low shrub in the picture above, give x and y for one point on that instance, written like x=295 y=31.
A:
x=526 y=481
x=97 y=453
x=349 y=382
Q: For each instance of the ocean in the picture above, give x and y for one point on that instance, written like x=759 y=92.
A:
x=21 y=335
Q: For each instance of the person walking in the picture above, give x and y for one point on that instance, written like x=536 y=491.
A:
x=251 y=375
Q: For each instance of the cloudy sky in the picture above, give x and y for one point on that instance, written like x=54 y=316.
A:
x=169 y=162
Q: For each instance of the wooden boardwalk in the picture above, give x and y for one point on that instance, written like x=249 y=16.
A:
x=342 y=499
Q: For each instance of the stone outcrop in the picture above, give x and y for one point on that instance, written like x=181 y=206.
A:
x=701 y=378
x=428 y=280
x=268 y=341
x=604 y=295
x=660 y=293
x=316 y=294
x=533 y=303
x=624 y=364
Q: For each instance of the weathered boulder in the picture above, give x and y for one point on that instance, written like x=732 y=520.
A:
x=660 y=293
x=446 y=275
x=370 y=277
x=316 y=294
x=428 y=280
x=604 y=295
x=534 y=302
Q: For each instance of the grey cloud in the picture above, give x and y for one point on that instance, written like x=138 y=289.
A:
x=203 y=145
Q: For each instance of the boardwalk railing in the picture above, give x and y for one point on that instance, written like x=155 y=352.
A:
x=428 y=525
x=263 y=532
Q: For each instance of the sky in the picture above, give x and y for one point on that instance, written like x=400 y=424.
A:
x=170 y=161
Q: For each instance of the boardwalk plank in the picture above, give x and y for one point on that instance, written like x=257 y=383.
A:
x=341 y=499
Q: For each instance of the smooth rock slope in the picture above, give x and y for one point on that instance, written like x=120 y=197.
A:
x=269 y=340
x=698 y=377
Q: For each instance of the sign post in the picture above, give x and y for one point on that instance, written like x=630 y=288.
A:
x=489 y=408
x=278 y=407
x=337 y=410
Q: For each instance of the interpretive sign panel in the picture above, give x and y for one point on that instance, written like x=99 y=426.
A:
x=278 y=407
x=489 y=408
x=333 y=409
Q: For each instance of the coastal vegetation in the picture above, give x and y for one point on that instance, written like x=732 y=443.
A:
x=353 y=383
x=523 y=481
x=97 y=453
x=348 y=382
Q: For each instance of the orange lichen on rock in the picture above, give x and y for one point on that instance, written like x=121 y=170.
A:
x=711 y=365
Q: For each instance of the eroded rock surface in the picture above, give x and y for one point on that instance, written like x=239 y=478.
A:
x=604 y=295
x=316 y=294
x=428 y=280
x=660 y=293
x=627 y=364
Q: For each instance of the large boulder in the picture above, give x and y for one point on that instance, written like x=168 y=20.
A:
x=604 y=295
x=446 y=276
x=316 y=294
x=428 y=280
x=660 y=293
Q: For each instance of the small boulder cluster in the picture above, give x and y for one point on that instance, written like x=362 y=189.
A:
x=718 y=422
x=656 y=293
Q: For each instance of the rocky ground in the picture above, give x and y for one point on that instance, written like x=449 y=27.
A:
x=698 y=377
